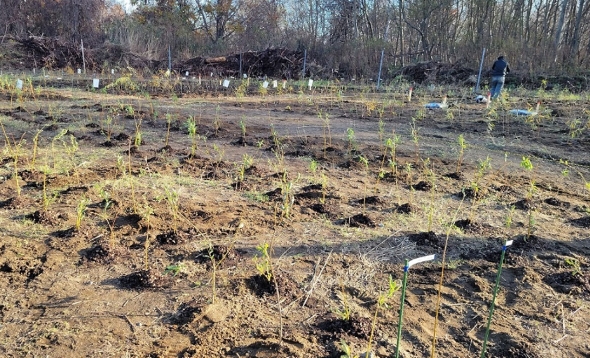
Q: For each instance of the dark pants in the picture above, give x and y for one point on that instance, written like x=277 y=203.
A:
x=496 y=86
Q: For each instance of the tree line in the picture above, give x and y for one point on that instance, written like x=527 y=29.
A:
x=550 y=36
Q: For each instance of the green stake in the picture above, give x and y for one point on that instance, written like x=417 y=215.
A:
x=485 y=339
x=407 y=266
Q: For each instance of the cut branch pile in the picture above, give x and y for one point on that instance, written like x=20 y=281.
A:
x=437 y=72
x=272 y=62
x=53 y=53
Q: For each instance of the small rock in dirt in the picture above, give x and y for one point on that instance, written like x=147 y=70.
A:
x=422 y=186
x=217 y=312
x=557 y=202
x=142 y=279
x=98 y=254
x=425 y=239
x=360 y=220
x=454 y=175
x=169 y=238
x=43 y=217
x=524 y=204
x=581 y=222
x=406 y=208
x=370 y=200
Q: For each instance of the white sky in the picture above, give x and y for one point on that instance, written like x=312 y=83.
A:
x=125 y=3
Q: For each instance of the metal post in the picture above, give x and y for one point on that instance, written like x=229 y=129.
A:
x=380 y=66
x=485 y=339
x=407 y=266
x=480 y=68
x=169 y=59
x=83 y=58
x=304 y=62
x=401 y=309
x=240 y=65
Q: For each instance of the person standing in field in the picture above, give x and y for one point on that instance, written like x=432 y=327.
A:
x=499 y=70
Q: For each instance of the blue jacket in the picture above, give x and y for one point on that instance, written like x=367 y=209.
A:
x=500 y=67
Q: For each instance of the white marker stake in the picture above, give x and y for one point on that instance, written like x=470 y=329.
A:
x=112 y=71
x=95 y=83
x=226 y=83
x=245 y=75
x=275 y=84
x=265 y=84
x=284 y=84
x=79 y=71
x=19 y=84
x=420 y=259
x=407 y=266
x=310 y=83
x=186 y=73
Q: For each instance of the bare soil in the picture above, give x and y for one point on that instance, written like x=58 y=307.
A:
x=165 y=264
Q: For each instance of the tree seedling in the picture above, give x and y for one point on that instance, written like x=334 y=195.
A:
x=462 y=146
x=80 y=211
x=191 y=126
x=382 y=303
x=492 y=304
x=351 y=139
x=174 y=269
x=528 y=166
x=263 y=263
x=243 y=130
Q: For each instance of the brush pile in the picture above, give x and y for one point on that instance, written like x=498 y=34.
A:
x=437 y=72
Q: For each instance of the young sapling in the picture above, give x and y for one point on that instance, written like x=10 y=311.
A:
x=191 y=125
x=263 y=263
x=462 y=146
x=80 y=211
x=528 y=166
x=243 y=130
x=382 y=301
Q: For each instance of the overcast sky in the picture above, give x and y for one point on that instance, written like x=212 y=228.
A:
x=126 y=4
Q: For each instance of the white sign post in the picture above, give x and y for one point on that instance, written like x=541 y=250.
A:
x=310 y=83
x=226 y=83
x=95 y=83
x=19 y=84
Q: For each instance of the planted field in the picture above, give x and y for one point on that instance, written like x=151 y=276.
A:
x=278 y=225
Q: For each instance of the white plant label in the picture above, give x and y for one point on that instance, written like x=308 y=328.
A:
x=245 y=75
x=95 y=83
x=265 y=84
x=112 y=71
x=275 y=84
x=310 y=83
x=79 y=71
x=509 y=242
x=226 y=83
x=186 y=73
x=19 y=84
x=420 y=259
x=284 y=84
